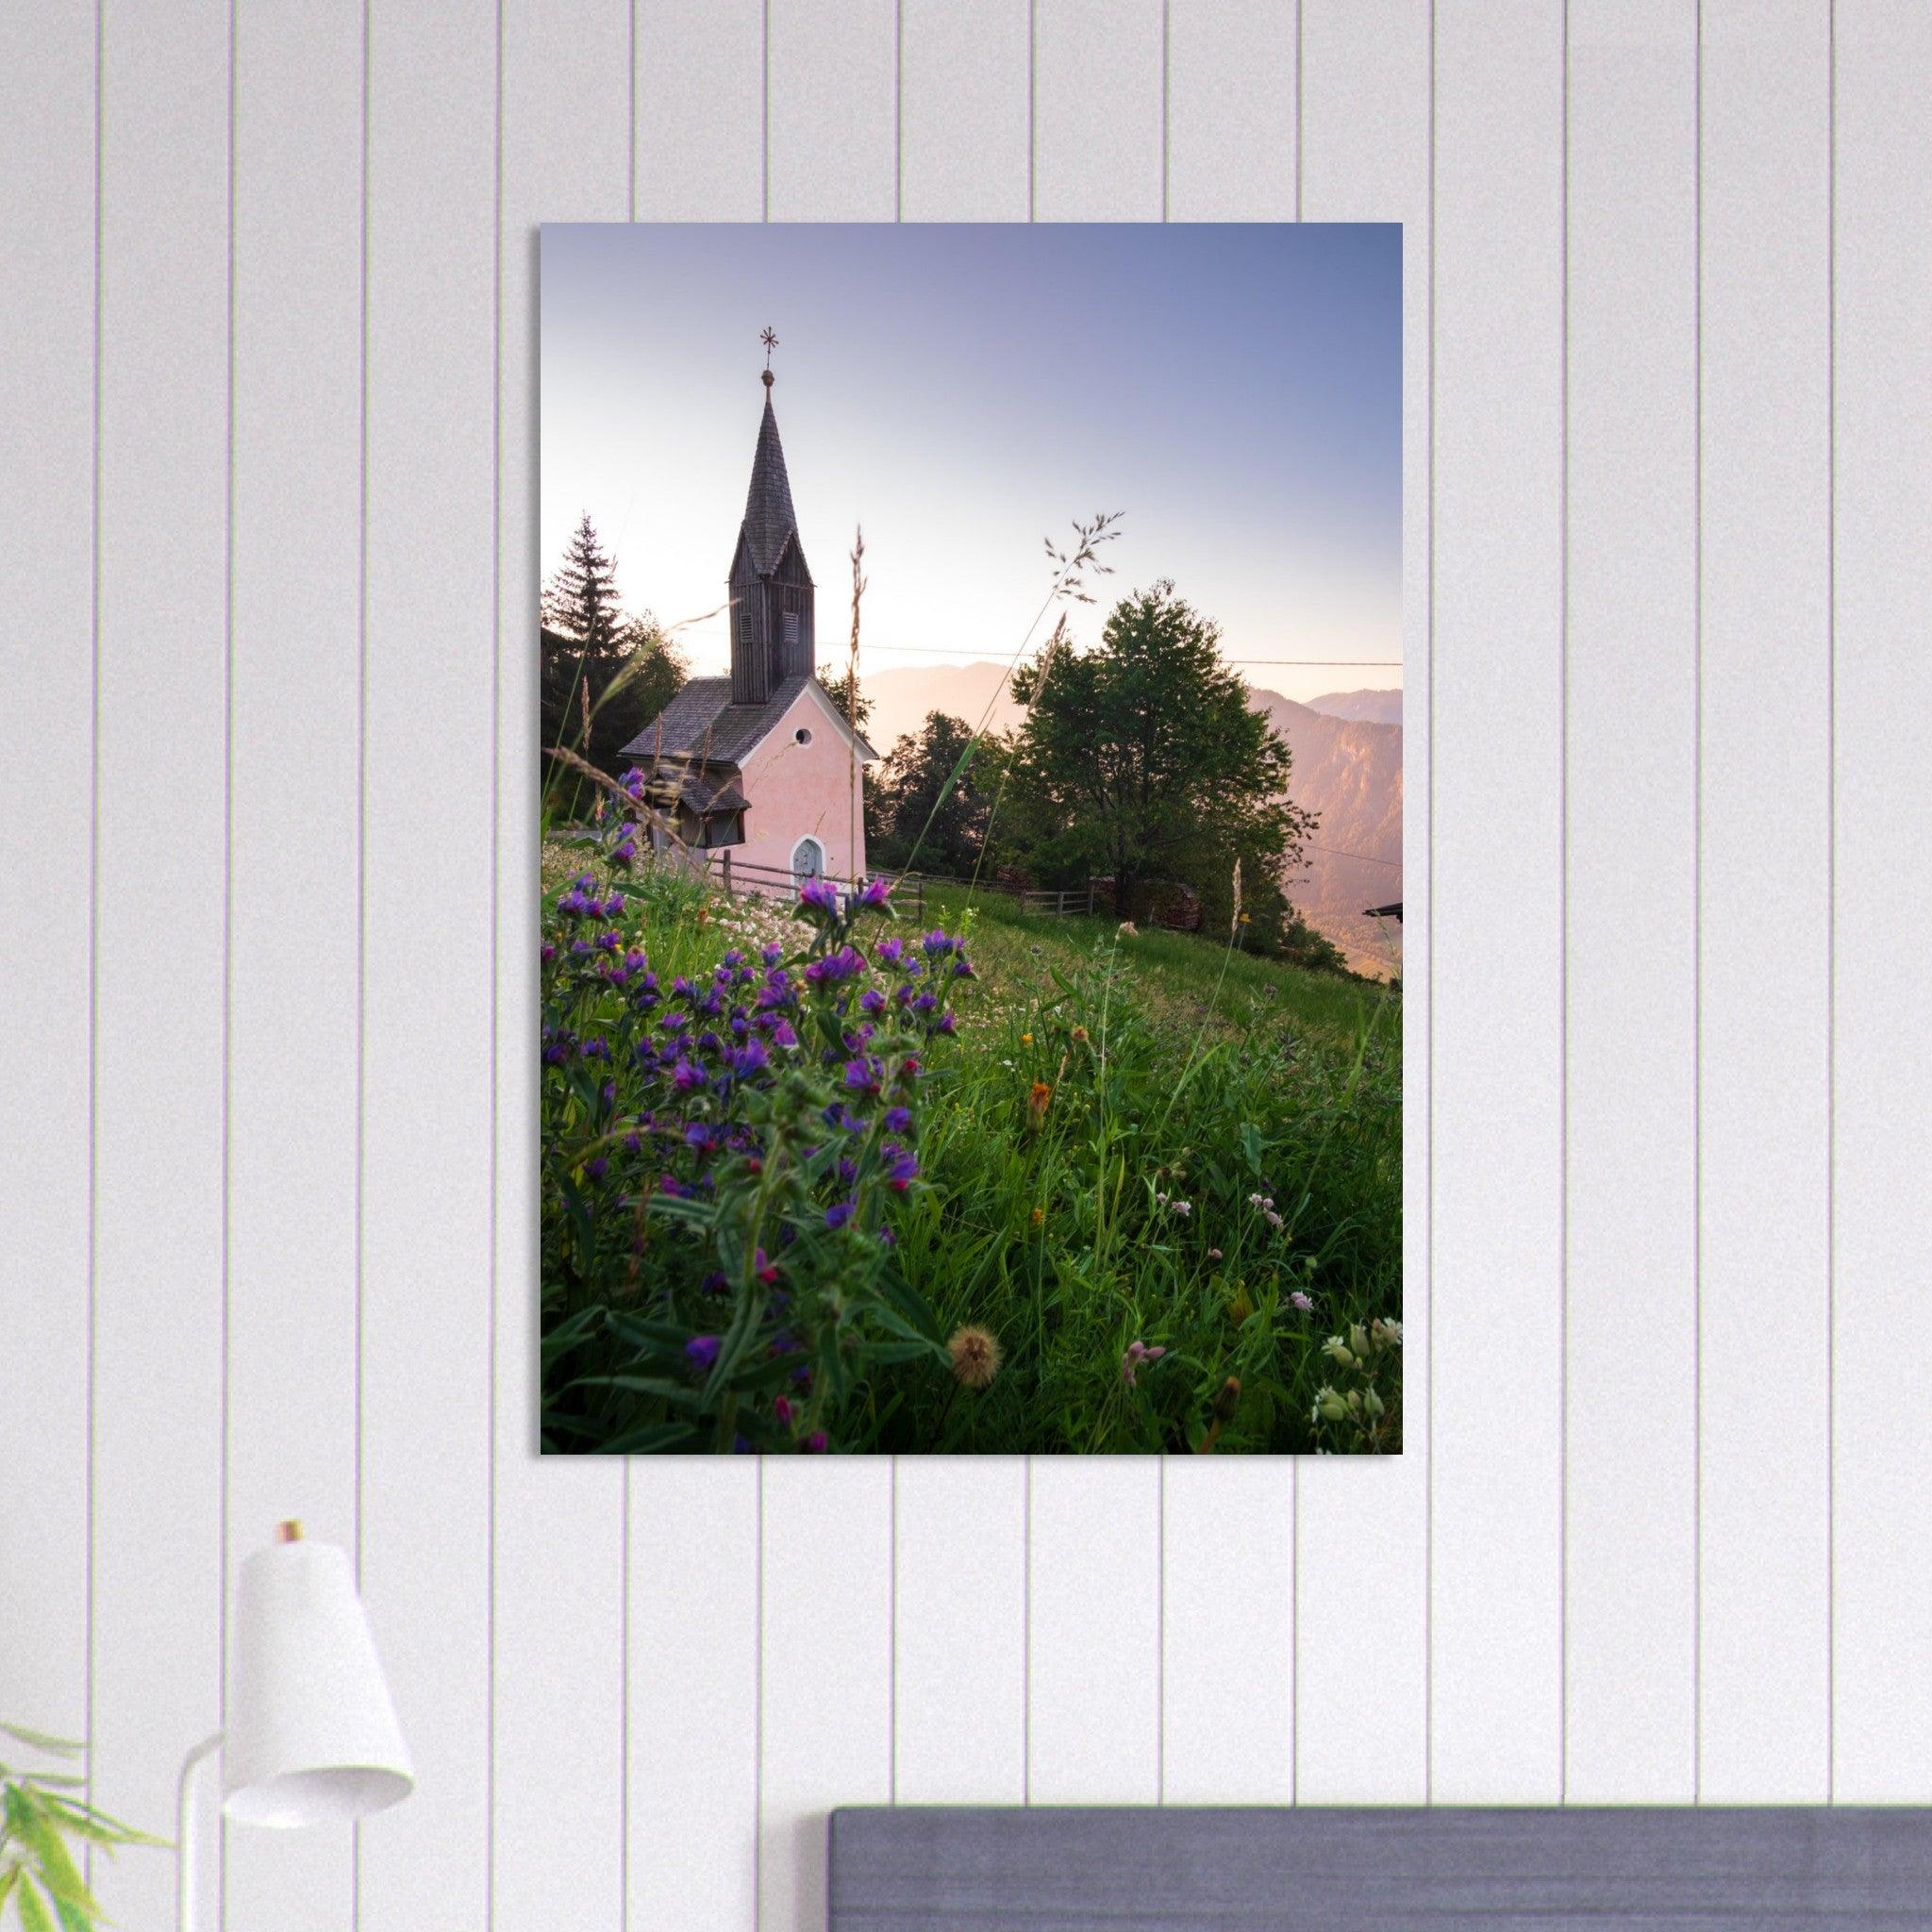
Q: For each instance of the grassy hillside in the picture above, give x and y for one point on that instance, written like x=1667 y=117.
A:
x=1157 y=1207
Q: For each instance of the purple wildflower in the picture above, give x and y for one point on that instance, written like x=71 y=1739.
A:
x=839 y=1212
x=843 y=964
x=820 y=894
x=898 y=1120
x=701 y=1351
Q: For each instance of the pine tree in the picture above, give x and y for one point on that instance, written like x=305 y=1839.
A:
x=621 y=672
x=580 y=599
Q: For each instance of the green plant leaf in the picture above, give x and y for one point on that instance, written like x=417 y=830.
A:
x=83 y=1821
x=33 y=1914
x=60 y=1747
x=57 y=1871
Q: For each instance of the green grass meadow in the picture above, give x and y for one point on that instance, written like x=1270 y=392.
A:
x=1162 y=1174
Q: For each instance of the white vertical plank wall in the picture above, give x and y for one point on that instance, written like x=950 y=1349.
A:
x=1882 y=1046
x=294 y=698
x=160 y=804
x=1497 y=904
x=426 y=1371
x=1631 y=1496
x=268 y=331
x=1764 y=888
x=46 y=923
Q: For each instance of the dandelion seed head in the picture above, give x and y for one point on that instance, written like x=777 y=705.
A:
x=975 y=1356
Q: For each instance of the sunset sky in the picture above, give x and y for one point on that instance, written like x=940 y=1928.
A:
x=1235 y=392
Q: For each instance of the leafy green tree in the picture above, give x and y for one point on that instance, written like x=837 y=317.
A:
x=1142 y=758
x=603 y=675
x=848 y=696
x=1302 y=945
x=912 y=797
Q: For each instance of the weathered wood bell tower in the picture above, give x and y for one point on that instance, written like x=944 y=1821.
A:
x=772 y=633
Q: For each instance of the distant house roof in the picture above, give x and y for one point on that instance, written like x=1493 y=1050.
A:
x=702 y=723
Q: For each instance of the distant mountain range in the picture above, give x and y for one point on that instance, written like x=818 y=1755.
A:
x=1365 y=707
x=1347 y=749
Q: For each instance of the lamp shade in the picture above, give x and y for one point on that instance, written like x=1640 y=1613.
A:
x=312 y=1733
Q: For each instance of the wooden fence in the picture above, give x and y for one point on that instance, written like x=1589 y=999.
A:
x=734 y=876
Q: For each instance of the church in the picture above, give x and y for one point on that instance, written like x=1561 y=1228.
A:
x=762 y=764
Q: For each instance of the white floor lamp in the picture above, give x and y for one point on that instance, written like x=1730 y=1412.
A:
x=314 y=1736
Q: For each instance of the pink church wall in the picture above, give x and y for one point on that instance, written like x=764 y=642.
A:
x=798 y=790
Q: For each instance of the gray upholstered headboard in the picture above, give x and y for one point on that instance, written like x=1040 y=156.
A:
x=1361 y=1870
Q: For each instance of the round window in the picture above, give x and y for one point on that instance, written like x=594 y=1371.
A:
x=803 y=735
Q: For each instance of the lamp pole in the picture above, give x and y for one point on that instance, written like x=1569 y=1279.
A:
x=186 y=1871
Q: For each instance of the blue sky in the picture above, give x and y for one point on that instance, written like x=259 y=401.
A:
x=962 y=391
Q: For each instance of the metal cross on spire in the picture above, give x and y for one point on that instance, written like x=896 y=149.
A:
x=770 y=342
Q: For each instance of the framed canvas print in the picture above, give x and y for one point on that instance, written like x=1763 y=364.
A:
x=970 y=900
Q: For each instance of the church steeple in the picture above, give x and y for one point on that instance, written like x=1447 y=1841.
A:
x=772 y=636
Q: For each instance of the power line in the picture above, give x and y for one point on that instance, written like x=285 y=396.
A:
x=941 y=651
x=1343 y=852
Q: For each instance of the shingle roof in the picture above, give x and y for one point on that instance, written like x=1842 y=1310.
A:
x=701 y=722
x=680 y=728
x=769 y=518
